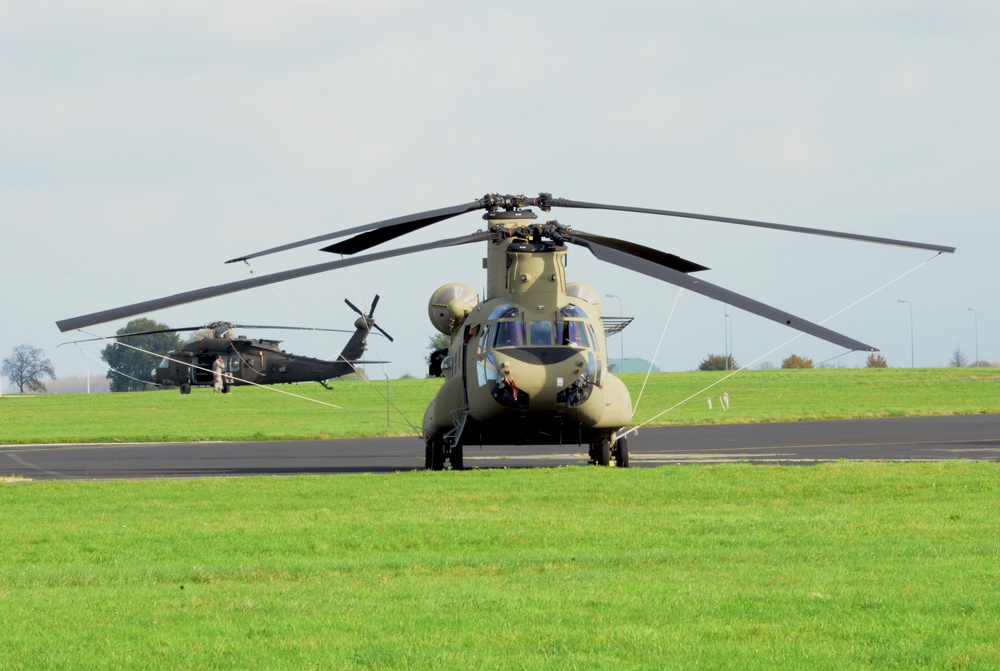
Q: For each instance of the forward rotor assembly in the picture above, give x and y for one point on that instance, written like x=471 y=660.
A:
x=652 y=262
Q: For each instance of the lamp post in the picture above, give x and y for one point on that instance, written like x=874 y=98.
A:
x=900 y=300
x=621 y=313
x=976 y=316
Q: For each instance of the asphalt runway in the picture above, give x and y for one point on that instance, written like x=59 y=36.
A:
x=974 y=437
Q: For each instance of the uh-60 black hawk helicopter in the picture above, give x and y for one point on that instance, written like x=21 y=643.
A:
x=254 y=361
x=527 y=362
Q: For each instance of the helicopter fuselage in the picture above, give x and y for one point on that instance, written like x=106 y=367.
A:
x=246 y=362
x=528 y=365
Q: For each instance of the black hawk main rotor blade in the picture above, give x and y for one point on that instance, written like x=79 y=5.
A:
x=263 y=280
x=564 y=202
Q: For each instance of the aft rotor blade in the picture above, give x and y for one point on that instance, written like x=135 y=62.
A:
x=404 y=224
x=563 y=202
x=262 y=280
x=660 y=272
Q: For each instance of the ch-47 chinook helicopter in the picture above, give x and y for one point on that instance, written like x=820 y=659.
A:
x=255 y=361
x=527 y=362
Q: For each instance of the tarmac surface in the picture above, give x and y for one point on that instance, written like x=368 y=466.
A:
x=973 y=437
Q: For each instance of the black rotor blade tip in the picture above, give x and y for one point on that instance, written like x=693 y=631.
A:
x=354 y=307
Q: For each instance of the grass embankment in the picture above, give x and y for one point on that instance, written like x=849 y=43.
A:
x=265 y=414
x=837 y=566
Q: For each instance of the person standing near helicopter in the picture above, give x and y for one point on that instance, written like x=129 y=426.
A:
x=218 y=368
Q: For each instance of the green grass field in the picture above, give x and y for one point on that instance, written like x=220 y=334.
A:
x=834 y=566
x=837 y=566
x=371 y=409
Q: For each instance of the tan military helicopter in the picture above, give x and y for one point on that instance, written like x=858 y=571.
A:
x=528 y=362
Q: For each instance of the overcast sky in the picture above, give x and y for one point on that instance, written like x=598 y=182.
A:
x=143 y=144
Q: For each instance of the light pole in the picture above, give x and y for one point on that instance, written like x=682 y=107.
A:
x=621 y=313
x=88 y=376
x=900 y=300
x=976 y=316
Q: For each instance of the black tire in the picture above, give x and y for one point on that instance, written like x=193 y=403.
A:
x=434 y=457
x=604 y=452
x=185 y=388
x=457 y=462
x=621 y=453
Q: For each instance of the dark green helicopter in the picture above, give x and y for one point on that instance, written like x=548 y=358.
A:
x=256 y=361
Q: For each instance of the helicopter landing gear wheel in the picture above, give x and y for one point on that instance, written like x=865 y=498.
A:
x=434 y=454
x=457 y=462
x=621 y=453
x=185 y=388
x=600 y=452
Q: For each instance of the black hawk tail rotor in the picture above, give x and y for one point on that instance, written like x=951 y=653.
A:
x=370 y=317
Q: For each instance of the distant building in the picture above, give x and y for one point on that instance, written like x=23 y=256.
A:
x=628 y=365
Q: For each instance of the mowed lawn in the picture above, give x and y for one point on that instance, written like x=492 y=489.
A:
x=835 y=566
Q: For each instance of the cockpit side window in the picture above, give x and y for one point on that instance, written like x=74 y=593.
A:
x=572 y=333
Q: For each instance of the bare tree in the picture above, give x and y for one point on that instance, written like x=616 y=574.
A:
x=958 y=359
x=26 y=366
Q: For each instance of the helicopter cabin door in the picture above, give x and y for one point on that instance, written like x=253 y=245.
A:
x=201 y=371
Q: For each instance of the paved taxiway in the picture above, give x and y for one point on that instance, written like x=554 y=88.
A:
x=975 y=437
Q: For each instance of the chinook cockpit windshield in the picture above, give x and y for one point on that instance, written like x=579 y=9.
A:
x=507 y=328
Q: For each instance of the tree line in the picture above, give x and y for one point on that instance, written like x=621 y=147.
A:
x=130 y=366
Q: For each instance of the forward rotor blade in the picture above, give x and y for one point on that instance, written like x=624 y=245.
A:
x=371 y=312
x=660 y=272
x=633 y=249
x=407 y=223
x=563 y=202
x=263 y=280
